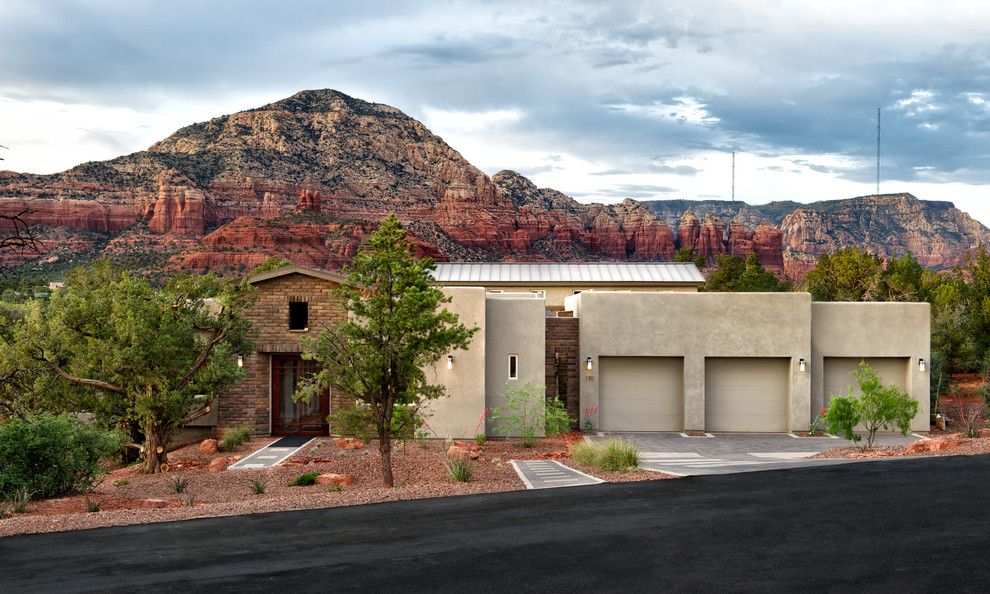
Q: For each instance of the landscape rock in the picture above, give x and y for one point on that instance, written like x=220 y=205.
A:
x=151 y=503
x=939 y=445
x=208 y=446
x=340 y=480
x=349 y=443
x=458 y=453
x=918 y=447
x=218 y=464
x=985 y=432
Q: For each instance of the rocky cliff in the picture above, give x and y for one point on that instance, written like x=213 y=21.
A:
x=307 y=177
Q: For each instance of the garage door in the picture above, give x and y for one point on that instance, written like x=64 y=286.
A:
x=641 y=393
x=746 y=394
x=838 y=373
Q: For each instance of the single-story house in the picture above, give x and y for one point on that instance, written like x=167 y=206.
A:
x=626 y=346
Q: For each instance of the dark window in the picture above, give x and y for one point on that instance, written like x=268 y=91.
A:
x=298 y=315
x=513 y=366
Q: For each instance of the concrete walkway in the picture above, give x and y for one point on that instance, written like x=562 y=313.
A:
x=726 y=453
x=271 y=455
x=549 y=474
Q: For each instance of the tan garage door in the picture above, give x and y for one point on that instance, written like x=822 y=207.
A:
x=838 y=370
x=746 y=394
x=641 y=393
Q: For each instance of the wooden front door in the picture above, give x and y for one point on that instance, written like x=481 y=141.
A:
x=296 y=417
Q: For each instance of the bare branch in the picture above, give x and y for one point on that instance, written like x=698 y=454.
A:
x=83 y=381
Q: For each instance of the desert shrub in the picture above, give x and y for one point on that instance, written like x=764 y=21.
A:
x=523 y=412
x=556 y=419
x=608 y=454
x=304 y=480
x=258 y=485
x=121 y=483
x=92 y=505
x=969 y=420
x=359 y=422
x=877 y=407
x=459 y=471
x=52 y=456
x=19 y=501
x=233 y=438
x=818 y=424
x=480 y=439
x=179 y=483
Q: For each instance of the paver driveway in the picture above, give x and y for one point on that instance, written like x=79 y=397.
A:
x=724 y=453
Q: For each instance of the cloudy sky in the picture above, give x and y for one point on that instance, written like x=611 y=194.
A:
x=603 y=101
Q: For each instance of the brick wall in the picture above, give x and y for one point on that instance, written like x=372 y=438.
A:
x=249 y=402
x=562 y=364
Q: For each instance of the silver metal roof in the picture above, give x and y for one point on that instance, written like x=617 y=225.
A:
x=569 y=273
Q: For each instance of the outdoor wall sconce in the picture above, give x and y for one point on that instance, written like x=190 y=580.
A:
x=450 y=361
x=240 y=360
x=589 y=363
x=801 y=364
x=921 y=364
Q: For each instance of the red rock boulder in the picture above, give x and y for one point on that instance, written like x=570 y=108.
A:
x=458 y=453
x=338 y=480
x=208 y=446
x=218 y=464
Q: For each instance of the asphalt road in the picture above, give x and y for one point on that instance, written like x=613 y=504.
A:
x=895 y=526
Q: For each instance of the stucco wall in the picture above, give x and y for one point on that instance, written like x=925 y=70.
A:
x=873 y=330
x=555 y=294
x=514 y=326
x=695 y=326
x=457 y=413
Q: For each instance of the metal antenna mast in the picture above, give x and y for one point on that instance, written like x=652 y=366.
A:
x=878 y=150
x=733 y=176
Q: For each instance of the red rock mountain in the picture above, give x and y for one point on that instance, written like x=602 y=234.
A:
x=307 y=177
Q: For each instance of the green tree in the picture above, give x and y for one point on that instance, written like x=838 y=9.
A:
x=396 y=326
x=684 y=254
x=271 y=263
x=136 y=356
x=877 y=407
x=732 y=274
x=727 y=271
x=848 y=275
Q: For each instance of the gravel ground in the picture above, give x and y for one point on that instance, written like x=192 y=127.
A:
x=125 y=495
x=969 y=447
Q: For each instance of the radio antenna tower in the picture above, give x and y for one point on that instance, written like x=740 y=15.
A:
x=878 y=150
x=733 y=176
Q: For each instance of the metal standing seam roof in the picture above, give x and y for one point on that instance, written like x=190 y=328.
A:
x=569 y=272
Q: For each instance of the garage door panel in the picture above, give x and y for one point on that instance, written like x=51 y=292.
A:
x=747 y=394
x=641 y=393
x=838 y=373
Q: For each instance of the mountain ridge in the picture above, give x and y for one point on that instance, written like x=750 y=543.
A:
x=308 y=176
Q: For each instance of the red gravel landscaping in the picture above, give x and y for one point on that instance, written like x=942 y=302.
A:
x=128 y=497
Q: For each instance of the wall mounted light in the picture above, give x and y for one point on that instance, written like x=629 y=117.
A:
x=450 y=361
x=240 y=360
x=921 y=364
x=801 y=364
x=589 y=363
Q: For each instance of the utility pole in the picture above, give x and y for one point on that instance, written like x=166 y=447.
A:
x=878 y=150
x=733 y=176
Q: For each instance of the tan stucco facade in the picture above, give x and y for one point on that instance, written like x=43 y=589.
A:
x=556 y=294
x=860 y=330
x=516 y=326
x=457 y=413
x=697 y=326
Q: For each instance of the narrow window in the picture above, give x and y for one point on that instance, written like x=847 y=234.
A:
x=298 y=315
x=513 y=366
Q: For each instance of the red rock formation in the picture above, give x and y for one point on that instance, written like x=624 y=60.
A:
x=180 y=207
x=688 y=230
x=309 y=200
x=711 y=238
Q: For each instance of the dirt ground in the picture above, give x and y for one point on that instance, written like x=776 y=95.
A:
x=128 y=497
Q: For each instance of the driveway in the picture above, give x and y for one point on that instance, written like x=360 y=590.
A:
x=723 y=453
x=915 y=526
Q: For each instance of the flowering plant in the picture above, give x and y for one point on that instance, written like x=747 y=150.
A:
x=589 y=418
x=818 y=424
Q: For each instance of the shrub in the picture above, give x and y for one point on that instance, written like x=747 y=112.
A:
x=359 y=422
x=878 y=407
x=969 y=420
x=608 y=454
x=92 y=505
x=459 y=471
x=233 y=438
x=190 y=500
x=523 y=413
x=52 y=456
x=304 y=480
x=179 y=484
x=480 y=439
x=258 y=485
x=818 y=424
x=121 y=483
x=19 y=501
x=557 y=420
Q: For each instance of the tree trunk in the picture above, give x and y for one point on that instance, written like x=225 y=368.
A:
x=154 y=453
x=385 y=449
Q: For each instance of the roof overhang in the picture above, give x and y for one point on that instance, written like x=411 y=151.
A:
x=294 y=269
